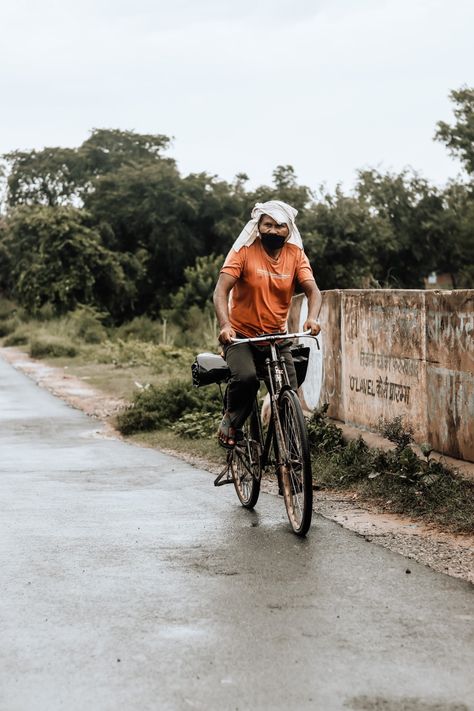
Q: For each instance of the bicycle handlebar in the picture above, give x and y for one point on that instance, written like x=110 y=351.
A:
x=275 y=337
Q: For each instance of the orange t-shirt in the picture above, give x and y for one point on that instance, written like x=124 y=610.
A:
x=261 y=297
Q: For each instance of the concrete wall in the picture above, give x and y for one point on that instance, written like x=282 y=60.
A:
x=450 y=372
x=391 y=352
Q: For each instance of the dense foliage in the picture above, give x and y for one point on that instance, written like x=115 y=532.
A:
x=113 y=225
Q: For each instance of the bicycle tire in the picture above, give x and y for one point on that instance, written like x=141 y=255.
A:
x=246 y=462
x=296 y=474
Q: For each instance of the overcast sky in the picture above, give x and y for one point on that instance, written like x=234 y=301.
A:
x=328 y=86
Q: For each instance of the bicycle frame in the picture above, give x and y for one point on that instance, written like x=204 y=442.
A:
x=278 y=381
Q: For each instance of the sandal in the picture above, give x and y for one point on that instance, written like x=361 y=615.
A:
x=226 y=434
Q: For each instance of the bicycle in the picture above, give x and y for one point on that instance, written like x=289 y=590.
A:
x=286 y=435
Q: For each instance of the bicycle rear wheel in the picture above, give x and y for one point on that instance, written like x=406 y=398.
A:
x=246 y=462
x=295 y=466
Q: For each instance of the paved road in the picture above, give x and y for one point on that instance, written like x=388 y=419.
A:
x=128 y=582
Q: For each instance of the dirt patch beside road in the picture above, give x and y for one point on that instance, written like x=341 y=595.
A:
x=445 y=553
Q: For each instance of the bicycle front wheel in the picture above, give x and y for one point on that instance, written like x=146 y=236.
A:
x=246 y=463
x=295 y=464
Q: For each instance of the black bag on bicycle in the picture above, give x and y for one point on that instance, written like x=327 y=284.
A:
x=209 y=368
x=300 y=355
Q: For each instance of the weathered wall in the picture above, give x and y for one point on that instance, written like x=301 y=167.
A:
x=391 y=352
x=450 y=371
x=383 y=343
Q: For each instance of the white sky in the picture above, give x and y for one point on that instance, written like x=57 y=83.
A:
x=328 y=86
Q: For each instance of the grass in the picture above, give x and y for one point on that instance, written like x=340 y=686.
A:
x=116 y=379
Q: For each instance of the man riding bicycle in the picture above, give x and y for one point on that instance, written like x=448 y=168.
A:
x=261 y=270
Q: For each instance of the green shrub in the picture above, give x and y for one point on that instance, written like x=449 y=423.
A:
x=45 y=313
x=52 y=347
x=86 y=324
x=137 y=419
x=141 y=328
x=19 y=337
x=160 y=358
x=355 y=461
x=395 y=431
x=323 y=435
x=126 y=353
x=158 y=407
x=7 y=309
x=7 y=327
x=197 y=425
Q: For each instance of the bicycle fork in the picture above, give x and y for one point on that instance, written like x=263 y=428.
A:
x=280 y=448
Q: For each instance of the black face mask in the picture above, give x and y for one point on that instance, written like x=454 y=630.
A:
x=272 y=242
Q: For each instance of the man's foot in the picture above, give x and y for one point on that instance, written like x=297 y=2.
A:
x=226 y=434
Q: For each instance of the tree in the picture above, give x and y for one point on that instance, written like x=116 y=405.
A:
x=107 y=150
x=199 y=284
x=286 y=188
x=192 y=310
x=56 y=258
x=342 y=240
x=455 y=254
x=459 y=137
x=143 y=210
x=410 y=208
x=62 y=176
x=170 y=220
x=50 y=177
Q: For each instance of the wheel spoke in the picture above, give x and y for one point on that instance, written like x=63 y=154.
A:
x=246 y=467
x=296 y=467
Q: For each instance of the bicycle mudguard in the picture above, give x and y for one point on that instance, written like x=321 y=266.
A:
x=285 y=387
x=209 y=368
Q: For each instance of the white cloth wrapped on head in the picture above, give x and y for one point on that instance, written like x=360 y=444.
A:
x=281 y=213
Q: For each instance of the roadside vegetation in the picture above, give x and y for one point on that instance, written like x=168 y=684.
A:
x=397 y=479
x=120 y=360
x=164 y=410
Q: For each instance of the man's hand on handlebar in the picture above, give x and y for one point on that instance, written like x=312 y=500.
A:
x=313 y=326
x=227 y=334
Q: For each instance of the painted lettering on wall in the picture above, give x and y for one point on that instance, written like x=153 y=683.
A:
x=392 y=391
x=402 y=321
x=362 y=385
x=404 y=366
x=381 y=387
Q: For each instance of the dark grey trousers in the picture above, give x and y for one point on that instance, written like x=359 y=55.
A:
x=247 y=366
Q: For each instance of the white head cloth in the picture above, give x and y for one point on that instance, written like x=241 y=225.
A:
x=281 y=213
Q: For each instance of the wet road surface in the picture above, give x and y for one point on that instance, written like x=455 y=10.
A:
x=128 y=582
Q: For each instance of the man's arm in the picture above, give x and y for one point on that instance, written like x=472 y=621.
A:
x=221 y=305
x=314 y=305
